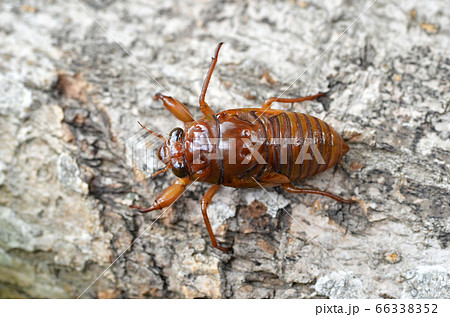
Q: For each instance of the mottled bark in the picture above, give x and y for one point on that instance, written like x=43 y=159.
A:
x=70 y=98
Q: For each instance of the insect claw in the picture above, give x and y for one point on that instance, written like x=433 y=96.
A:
x=144 y=210
x=157 y=96
x=224 y=249
x=349 y=201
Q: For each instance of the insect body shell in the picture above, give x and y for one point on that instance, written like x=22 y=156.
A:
x=216 y=151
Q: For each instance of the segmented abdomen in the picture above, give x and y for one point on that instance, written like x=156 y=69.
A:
x=300 y=145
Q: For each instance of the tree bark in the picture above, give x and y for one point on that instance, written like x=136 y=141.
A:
x=70 y=99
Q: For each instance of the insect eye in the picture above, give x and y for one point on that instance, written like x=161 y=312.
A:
x=163 y=154
x=176 y=134
x=179 y=170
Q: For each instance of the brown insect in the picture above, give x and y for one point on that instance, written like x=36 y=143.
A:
x=247 y=147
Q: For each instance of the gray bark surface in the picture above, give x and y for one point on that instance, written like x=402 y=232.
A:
x=70 y=97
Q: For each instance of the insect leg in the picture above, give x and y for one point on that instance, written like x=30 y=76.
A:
x=205 y=202
x=175 y=107
x=268 y=103
x=168 y=197
x=204 y=107
x=292 y=189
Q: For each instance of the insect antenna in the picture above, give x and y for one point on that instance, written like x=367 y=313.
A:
x=162 y=138
x=160 y=171
x=154 y=133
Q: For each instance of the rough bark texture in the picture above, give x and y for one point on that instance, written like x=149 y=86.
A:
x=70 y=98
